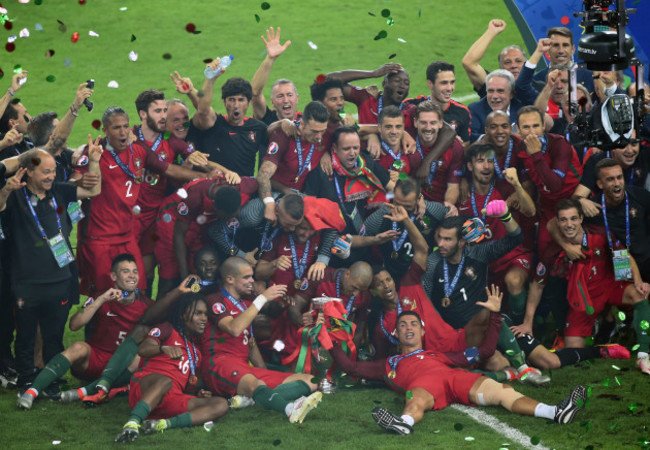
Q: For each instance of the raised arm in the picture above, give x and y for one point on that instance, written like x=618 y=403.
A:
x=261 y=77
x=420 y=247
x=352 y=75
x=81 y=318
x=526 y=203
x=57 y=142
x=236 y=326
x=184 y=86
x=11 y=91
x=94 y=155
x=471 y=60
x=205 y=116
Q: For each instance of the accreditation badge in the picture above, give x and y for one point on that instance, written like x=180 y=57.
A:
x=622 y=267
x=60 y=250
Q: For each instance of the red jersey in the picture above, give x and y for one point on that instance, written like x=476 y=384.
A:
x=109 y=215
x=114 y=321
x=332 y=286
x=448 y=169
x=410 y=163
x=217 y=343
x=510 y=158
x=282 y=246
x=555 y=172
x=368 y=105
x=283 y=152
x=177 y=369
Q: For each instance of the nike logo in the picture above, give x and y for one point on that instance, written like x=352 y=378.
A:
x=234 y=313
x=111 y=166
x=287 y=249
x=462 y=208
x=64 y=303
x=178 y=343
x=110 y=314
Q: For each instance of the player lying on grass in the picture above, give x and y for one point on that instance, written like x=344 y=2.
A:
x=159 y=390
x=430 y=384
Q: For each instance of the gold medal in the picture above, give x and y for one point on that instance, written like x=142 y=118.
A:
x=392 y=374
x=394 y=255
x=196 y=287
x=251 y=342
x=232 y=251
x=296 y=284
x=193 y=380
x=446 y=301
x=138 y=180
x=295 y=180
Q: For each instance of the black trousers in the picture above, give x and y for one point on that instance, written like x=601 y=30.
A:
x=7 y=300
x=46 y=305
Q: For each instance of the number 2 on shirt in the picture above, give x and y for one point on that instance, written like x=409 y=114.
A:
x=129 y=185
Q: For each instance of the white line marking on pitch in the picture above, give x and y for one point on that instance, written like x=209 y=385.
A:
x=502 y=428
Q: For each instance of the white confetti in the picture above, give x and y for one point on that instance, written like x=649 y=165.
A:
x=24 y=33
x=278 y=345
x=38 y=27
x=390 y=196
x=2 y=10
x=469 y=438
x=136 y=210
x=312 y=45
x=133 y=56
x=208 y=426
x=12 y=38
x=201 y=219
x=123 y=8
x=56 y=442
x=401 y=40
x=167 y=217
x=23 y=1
x=113 y=84
x=22 y=81
x=93 y=34
x=182 y=193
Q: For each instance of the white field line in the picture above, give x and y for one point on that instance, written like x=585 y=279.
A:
x=512 y=434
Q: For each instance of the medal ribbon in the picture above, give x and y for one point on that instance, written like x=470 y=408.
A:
x=434 y=164
x=155 y=145
x=487 y=200
x=449 y=289
x=265 y=243
x=393 y=340
x=380 y=106
x=226 y=233
x=627 y=221
x=387 y=149
x=302 y=167
x=238 y=305
x=298 y=267
x=192 y=358
x=348 y=306
x=397 y=244
x=38 y=222
x=119 y=162
x=394 y=361
x=506 y=163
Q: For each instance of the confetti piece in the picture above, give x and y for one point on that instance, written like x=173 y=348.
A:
x=62 y=27
x=644 y=325
x=190 y=27
x=589 y=392
x=113 y=84
x=312 y=45
x=186 y=124
x=75 y=37
x=166 y=135
x=133 y=56
x=137 y=209
x=403 y=176
x=534 y=440
x=10 y=47
x=208 y=426
x=469 y=438
x=315 y=380
x=133 y=37
x=167 y=56
x=589 y=310
x=390 y=22
x=24 y=33
x=38 y=2
x=50 y=79
x=123 y=8
x=277 y=442
x=38 y=27
x=617 y=381
x=257 y=18
x=8 y=25
x=621 y=316
x=372 y=14
x=12 y=38
x=458 y=426
x=632 y=407
x=392 y=56
x=636 y=347
x=201 y=219
x=56 y=442
x=385 y=12
x=49 y=53
x=381 y=35
x=207 y=60
x=23 y=1
x=265 y=6
x=606 y=382
x=182 y=193
x=18 y=69
x=580 y=402
x=2 y=74
x=401 y=40
x=409 y=395
x=96 y=124
x=93 y=34
x=615 y=367
x=66 y=62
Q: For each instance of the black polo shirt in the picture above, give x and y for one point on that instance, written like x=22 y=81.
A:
x=33 y=261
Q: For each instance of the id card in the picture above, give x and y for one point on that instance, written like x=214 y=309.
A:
x=60 y=250
x=357 y=222
x=622 y=268
x=75 y=212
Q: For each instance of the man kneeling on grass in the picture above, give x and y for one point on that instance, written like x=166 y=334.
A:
x=432 y=384
x=170 y=368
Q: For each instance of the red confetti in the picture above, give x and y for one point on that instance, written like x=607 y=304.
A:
x=320 y=78
x=36 y=161
x=49 y=53
x=10 y=47
x=82 y=2
x=59 y=209
x=564 y=20
x=190 y=28
x=207 y=60
x=8 y=25
x=96 y=124
x=2 y=74
x=186 y=86
x=75 y=37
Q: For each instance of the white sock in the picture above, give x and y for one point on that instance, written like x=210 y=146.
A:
x=641 y=355
x=288 y=409
x=83 y=392
x=408 y=419
x=545 y=411
x=522 y=368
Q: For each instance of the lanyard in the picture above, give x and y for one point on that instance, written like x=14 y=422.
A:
x=348 y=306
x=544 y=142
x=192 y=357
x=386 y=147
x=298 y=267
x=38 y=222
x=238 y=305
x=506 y=164
x=397 y=244
x=302 y=166
x=627 y=221
x=226 y=233
x=155 y=145
x=434 y=164
x=393 y=340
x=487 y=199
x=380 y=106
x=585 y=240
x=265 y=244
x=449 y=289
x=394 y=361
x=120 y=163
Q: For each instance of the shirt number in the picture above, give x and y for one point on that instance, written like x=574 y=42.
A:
x=129 y=185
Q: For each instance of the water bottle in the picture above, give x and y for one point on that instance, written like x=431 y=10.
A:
x=213 y=73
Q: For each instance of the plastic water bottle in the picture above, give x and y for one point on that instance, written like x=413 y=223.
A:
x=213 y=73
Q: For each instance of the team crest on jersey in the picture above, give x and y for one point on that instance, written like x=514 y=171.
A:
x=218 y=308
x=182 y=209
x=524 y=263
x=470 y=272
x=633 y=212
x=137 y=162
x=162 y=156
x=273 y=148
x=155 y=332
x=409 y=303
x=251 y=136
x=540 y=270
x=453 y=124
x=233 y=223
x=82 y=161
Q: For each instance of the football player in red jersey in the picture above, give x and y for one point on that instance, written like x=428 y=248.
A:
x=165 y=387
